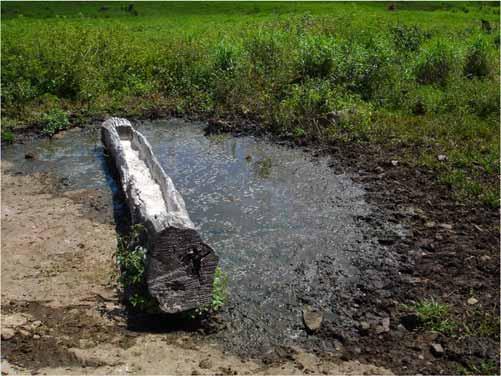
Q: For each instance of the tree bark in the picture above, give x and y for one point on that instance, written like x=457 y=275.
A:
x=179 y=266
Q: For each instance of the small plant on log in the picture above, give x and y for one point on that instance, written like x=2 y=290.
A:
x=219 y=295
x=130 y=257
x=219 y=289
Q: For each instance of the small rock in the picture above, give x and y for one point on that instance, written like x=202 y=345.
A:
x=379 y=169
x=437 y=349
x=429 y=224
x=36 y=324
x=29 y=156
x=205 y=364
x=485 y=258
x=36 y=336
x=394 y=163
x=446 y=226
x=386 y=324
x=24 y=332
x=7 y=333
x=379 y=329
x=312 y=319
x=364 y=327
x=442 y=157
x=472 y=301
x=421 y=357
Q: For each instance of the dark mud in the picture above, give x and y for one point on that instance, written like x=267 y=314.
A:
x=358 y=237
x=288 y=231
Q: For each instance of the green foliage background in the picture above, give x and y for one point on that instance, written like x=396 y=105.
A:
x=424 y=76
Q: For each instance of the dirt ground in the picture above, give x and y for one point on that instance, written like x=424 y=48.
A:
x=60 y=310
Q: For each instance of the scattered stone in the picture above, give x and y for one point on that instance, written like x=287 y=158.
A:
x=472 y=301
x=386 y=324
x=379 y=169
x=36 y=324
x=442 y=157
x=36 y=336
x=7 y=333
x=429 y=224
x=364 y=327
x=29 y=156
x=205 y=364
x=485 y=258
x=14 y=321
x=421 y=357
x=394 y=163
x=437 y=349
x=446 y=226
x=312 y=319
x=24 y=333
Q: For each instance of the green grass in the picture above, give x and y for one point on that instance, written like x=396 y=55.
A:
x=424 y=76
x=435 y=316
x=485 y=367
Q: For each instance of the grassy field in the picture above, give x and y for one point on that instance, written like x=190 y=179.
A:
x=423 y=77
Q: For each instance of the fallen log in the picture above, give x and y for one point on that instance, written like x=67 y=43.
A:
x=179 y=266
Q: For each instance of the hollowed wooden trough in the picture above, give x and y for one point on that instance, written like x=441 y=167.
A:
x=179 y=266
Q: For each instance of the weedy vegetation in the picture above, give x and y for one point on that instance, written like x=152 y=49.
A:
x=434 y=316
x=130 y=258
x=422 y=76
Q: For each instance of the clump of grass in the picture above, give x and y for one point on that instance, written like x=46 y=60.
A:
x=434 y=316
x=435 y=64
x=7 y=136
x=482 y=324
x=408 y=37
x=478 y=59
x=484 y=367
x=54 y=121
x=315 y=56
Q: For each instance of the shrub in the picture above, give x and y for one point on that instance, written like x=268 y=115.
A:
x=424 y=100
x=435 y=63
x=7 y=136
x=478 y=58
x=226 y=56
x=264 y=50
x=315 y=56
x=360 y=65
x=54 y=121
x=408 y=38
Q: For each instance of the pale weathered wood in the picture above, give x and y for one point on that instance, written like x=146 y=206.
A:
x=179 y=266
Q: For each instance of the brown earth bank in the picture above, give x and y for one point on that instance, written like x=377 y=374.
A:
x=60 y=310
x=450 y=255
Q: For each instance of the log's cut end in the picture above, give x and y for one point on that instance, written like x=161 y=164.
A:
x=180 y=270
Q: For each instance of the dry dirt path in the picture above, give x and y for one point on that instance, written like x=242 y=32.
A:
x=60 y=311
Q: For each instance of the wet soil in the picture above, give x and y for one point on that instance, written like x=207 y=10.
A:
x=452 y=255
x=60 y=310
x=448 y=251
